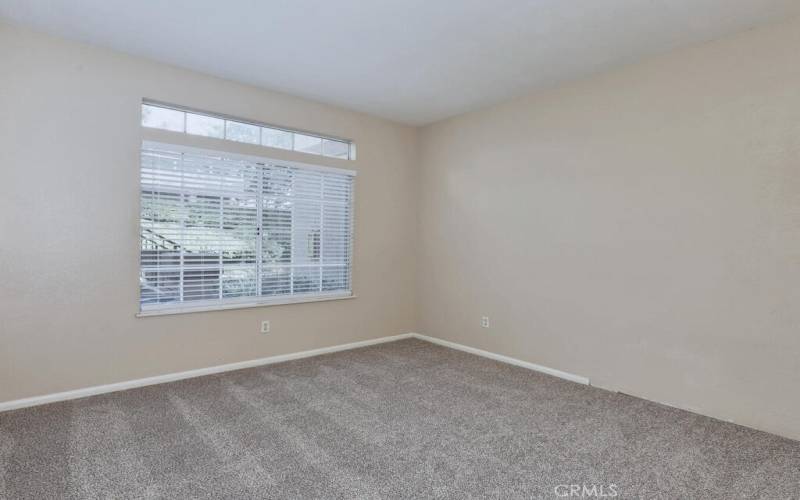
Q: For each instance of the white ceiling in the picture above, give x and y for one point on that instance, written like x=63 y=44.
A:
x=413 y=61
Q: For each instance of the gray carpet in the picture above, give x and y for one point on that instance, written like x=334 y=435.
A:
x=403 y=420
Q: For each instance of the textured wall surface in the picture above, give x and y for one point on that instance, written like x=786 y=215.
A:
x=640 y=228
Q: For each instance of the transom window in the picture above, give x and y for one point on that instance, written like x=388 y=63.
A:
x=177 y=119
x=222 y=230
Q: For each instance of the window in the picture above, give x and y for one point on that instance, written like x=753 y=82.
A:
x=176 y=119
x=220 y=230
x=163 y=118
x=242 y=132
x=308 y=144
x=207 y=126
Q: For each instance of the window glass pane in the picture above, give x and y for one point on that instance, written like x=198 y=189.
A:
x=242 y=132
x=335 y=278
x=276 y=281
x=335 y=149
x=276 y=138
x=205 y=125
x=306 y=233
x=200 y=284
x=306 y=279
x=163 y=118
x=307 y=144
x=239 y=282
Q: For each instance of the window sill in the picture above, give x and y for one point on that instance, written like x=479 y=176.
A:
x=240 y=305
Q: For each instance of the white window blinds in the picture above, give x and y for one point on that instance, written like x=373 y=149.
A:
x=225 y=230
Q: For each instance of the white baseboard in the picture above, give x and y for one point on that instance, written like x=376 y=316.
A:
x=505 y=359
x=171 y=377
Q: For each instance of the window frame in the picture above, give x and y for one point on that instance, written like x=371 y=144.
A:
x=168 y=308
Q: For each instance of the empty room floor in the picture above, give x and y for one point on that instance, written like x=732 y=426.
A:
x=397 y=420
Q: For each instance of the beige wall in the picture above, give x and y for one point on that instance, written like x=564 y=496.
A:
x=69 y=141
x=640 y=228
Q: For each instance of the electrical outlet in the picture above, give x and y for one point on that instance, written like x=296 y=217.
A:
x=484 y=321
x=265 y=327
